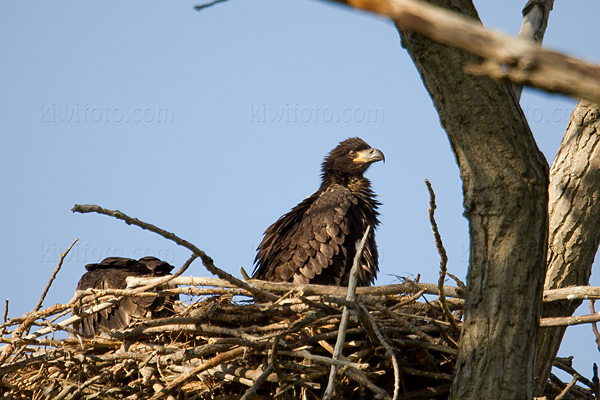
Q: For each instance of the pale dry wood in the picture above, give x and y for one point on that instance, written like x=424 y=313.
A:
x=325 y=360
x=350 y=296
x=572 y=293
x=219 y=359
x=258 y=383
x=284 y=287
x=569 y=321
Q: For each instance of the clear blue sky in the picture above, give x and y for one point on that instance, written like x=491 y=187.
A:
x=211 y=125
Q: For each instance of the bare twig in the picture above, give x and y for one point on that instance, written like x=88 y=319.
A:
x=5 y=315
x=206 y=260
x=273 y=360
x=244 y=274
x=213 y=362
x=567 y=389
x=594 y=326
x=459 y=283
x=408 y=300
x=60 y=262
x=558 y=363
x=443 y=257
x=212 y=3
x=324 y=360
x=311 y=289
x=350 y=296
x=364 y=381
x=257 y=384
x=388 y=349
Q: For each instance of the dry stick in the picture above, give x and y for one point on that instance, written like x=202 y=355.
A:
x=570 y=370
x=58 y=267
x=5 y=317
x=405 y=324
x=257 y=384
x=206 y=260
x=408 y=300
x=361 y=379
x=191 y=291
x=388 y=349
x=26 y=326
x=212 y=3
x=567 y=389
x=213 y=362
x=459 y=283
x=325 y=360
x=310 y=289
x=569 y=321
x=30 y=318
x=350 y=296
x=572 y=293
x=77 y=393
x=443 y=257
x=594 y=326
x=274 y=364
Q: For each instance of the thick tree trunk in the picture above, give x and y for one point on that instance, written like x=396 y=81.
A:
x=573 y=226
x=505 y=181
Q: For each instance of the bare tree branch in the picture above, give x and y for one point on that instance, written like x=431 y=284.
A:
x=573 y=225
x=570 y=321
x=535 y=20
x=520 y=61
x=572 y=293
x=443 y=257
x=206 y=260
x=53 y=276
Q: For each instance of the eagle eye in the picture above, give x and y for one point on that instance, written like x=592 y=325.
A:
x=352 y=152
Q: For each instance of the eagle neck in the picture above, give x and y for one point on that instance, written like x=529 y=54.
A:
x=356 y=183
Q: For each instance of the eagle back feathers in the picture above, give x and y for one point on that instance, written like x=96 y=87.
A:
x=111 y=273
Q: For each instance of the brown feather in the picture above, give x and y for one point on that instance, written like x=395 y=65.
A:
x=111 y=273
x=316 y=241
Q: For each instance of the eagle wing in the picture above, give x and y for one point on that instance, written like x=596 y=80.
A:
x=111 y=273
x=318 y=235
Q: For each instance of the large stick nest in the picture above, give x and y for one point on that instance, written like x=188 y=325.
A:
x=227 y=346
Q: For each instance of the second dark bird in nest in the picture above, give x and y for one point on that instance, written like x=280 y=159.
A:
x=111 y=273
x=316 y=241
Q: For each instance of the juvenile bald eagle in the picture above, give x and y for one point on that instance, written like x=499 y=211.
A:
x=316 y=241
x=111 y=274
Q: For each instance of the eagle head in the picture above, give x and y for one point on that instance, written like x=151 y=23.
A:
x=352 y=157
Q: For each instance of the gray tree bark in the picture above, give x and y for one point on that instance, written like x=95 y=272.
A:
x=505 y=180
x=574 y=227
